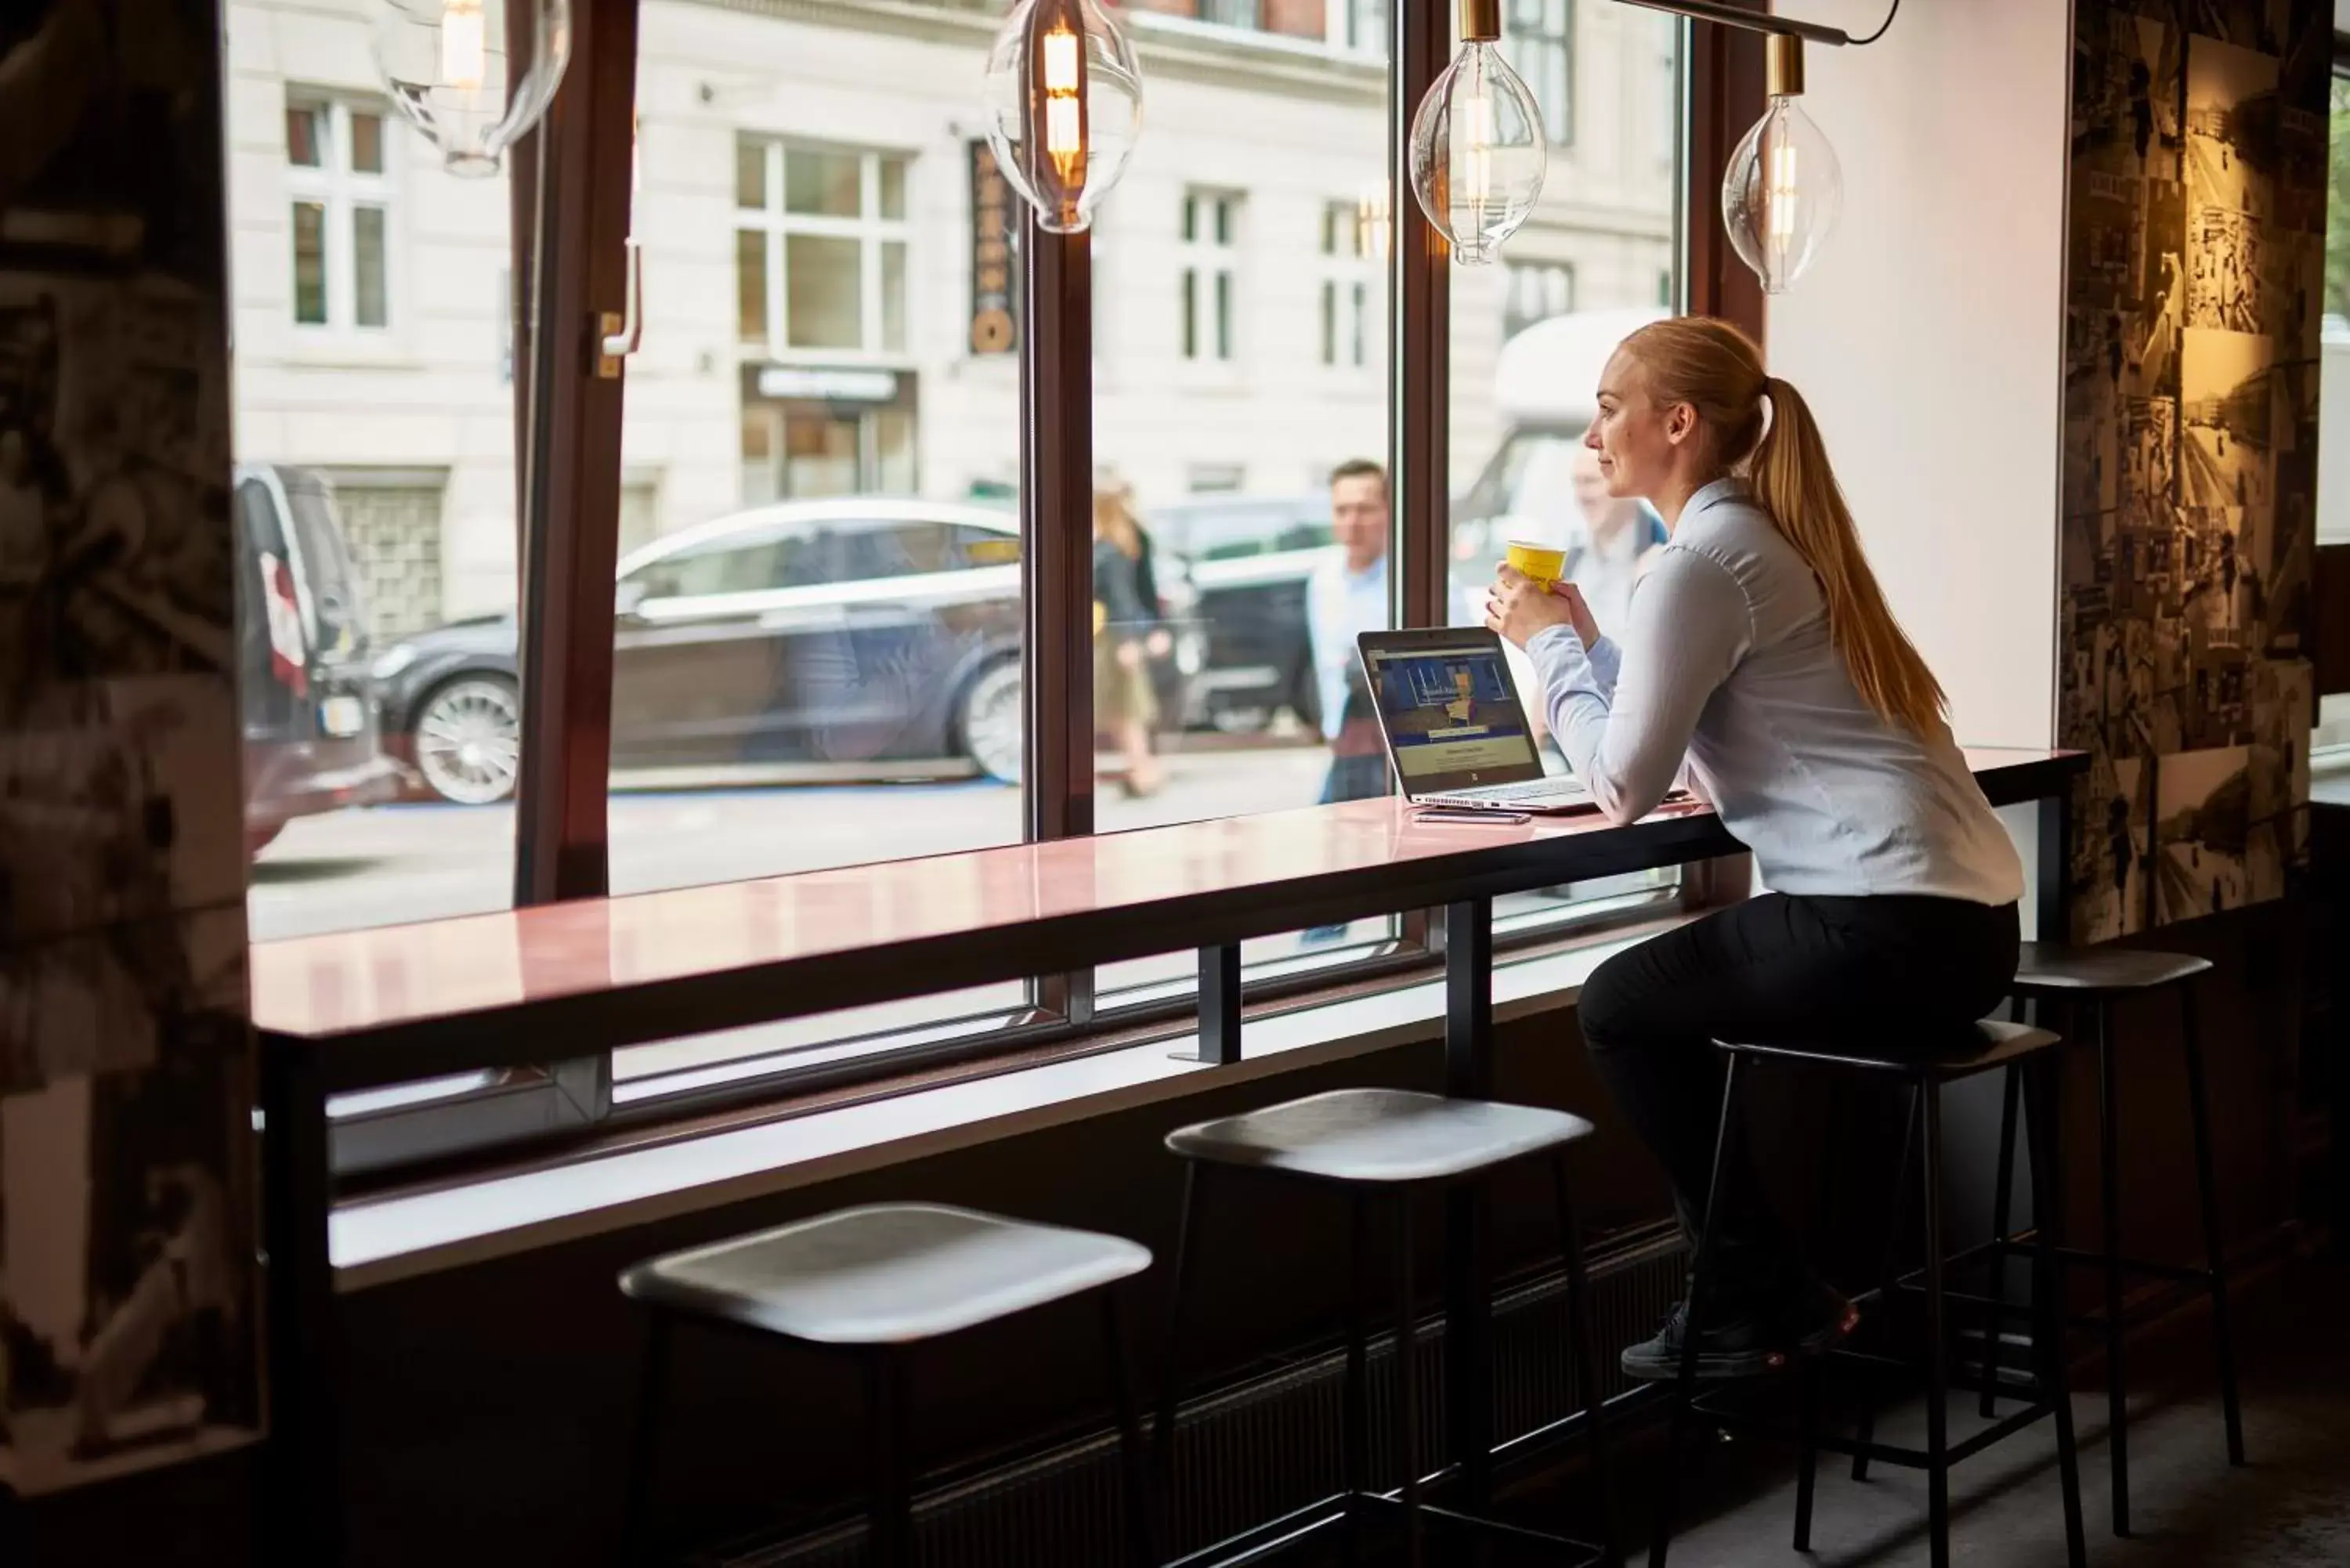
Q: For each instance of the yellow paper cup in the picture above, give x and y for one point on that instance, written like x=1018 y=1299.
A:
x=1536 y=563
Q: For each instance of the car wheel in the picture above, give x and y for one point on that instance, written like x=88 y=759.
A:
x=468 y=737
x=987 y=722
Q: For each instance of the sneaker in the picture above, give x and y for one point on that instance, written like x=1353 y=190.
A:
x=1753 y=1340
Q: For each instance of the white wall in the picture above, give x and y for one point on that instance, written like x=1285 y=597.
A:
x=1928 y=338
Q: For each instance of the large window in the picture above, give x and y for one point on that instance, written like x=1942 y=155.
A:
x=374 y=500
x=818 y=620
x=1529 y=339
x=2333 y=734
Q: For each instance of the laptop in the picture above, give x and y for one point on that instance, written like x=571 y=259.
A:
x=1456 y=733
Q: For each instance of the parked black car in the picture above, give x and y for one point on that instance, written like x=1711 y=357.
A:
x=1248 y=558
x=864 y=636
x=307 y=699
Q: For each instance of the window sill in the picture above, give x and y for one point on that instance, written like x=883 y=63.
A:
x=381 y=1241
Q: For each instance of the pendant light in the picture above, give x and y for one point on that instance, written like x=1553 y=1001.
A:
x=1783 y=189
x=1064 y=99
x=1478 y=149
x=447 y=66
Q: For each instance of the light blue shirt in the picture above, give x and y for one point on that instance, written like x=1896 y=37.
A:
x=1725 y=666
x=1340 y=606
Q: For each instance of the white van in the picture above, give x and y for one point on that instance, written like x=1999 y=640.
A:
x=1546 y=383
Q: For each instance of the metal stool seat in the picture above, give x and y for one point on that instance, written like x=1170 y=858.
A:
x=1928 y=1066
x=1391 y=1144
x=1379 y=1137
x=876 y=1281
x=2089 y=981
x=2047 y=970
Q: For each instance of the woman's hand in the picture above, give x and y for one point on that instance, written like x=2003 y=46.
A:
x=1160 y=643
x=1520 y=609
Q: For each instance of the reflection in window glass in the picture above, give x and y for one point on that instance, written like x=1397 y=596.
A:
x=376 y=573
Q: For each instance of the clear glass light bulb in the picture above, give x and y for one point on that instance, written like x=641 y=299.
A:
x=1478 y=152
x=1064 y=100
x=1782 y=194
x=452 y=75
x=463 y=47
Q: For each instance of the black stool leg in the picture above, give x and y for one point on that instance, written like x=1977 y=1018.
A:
x=1807 y=1474
x=1141 y=1537
x=1354 y=1408
x=2043 y=1111
x=1170 y=1352
x=1937 y=1376
x=1886 y=1278
x=1407 y=1374
x=2002 y=1203
x=644 y=1439
x=1587 y=1357
x=2215 y=1256
x=1807 y=1470
x=1684 y=1385
x=2109 y=1193
x=890 y=1527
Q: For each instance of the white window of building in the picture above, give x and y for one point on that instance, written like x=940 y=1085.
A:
x=1232 y=13
x=1542 y=45
x=1537 y=291
x=338 y=185
x=1349 y=276
x=1360 y=25
x=820 y=241
x=1211 y=221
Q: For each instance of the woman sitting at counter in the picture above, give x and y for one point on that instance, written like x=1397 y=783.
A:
x=1760 y=656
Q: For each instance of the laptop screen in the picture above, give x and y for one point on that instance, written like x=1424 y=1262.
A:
x=1450 y=711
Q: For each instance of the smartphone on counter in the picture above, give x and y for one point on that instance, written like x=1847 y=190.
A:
x=1451 y=814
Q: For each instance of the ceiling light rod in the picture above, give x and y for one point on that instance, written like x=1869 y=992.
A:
x=1753 y=22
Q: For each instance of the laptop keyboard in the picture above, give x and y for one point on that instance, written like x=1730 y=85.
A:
x=1528 y=790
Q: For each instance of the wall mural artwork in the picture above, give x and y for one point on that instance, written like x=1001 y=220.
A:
x=2195 y=253
x=128 y=1277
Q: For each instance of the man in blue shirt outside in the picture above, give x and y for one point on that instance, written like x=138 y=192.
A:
x=1346 y=596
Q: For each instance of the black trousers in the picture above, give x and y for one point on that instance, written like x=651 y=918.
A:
x=1892 y=971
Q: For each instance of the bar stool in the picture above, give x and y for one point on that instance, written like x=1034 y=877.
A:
x=875 y=1282
x=1392 y=1144
x=1927 y=1069
x=2090 y=982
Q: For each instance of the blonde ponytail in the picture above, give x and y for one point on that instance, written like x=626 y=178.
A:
x=1796 y=487
x=1716 y=368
